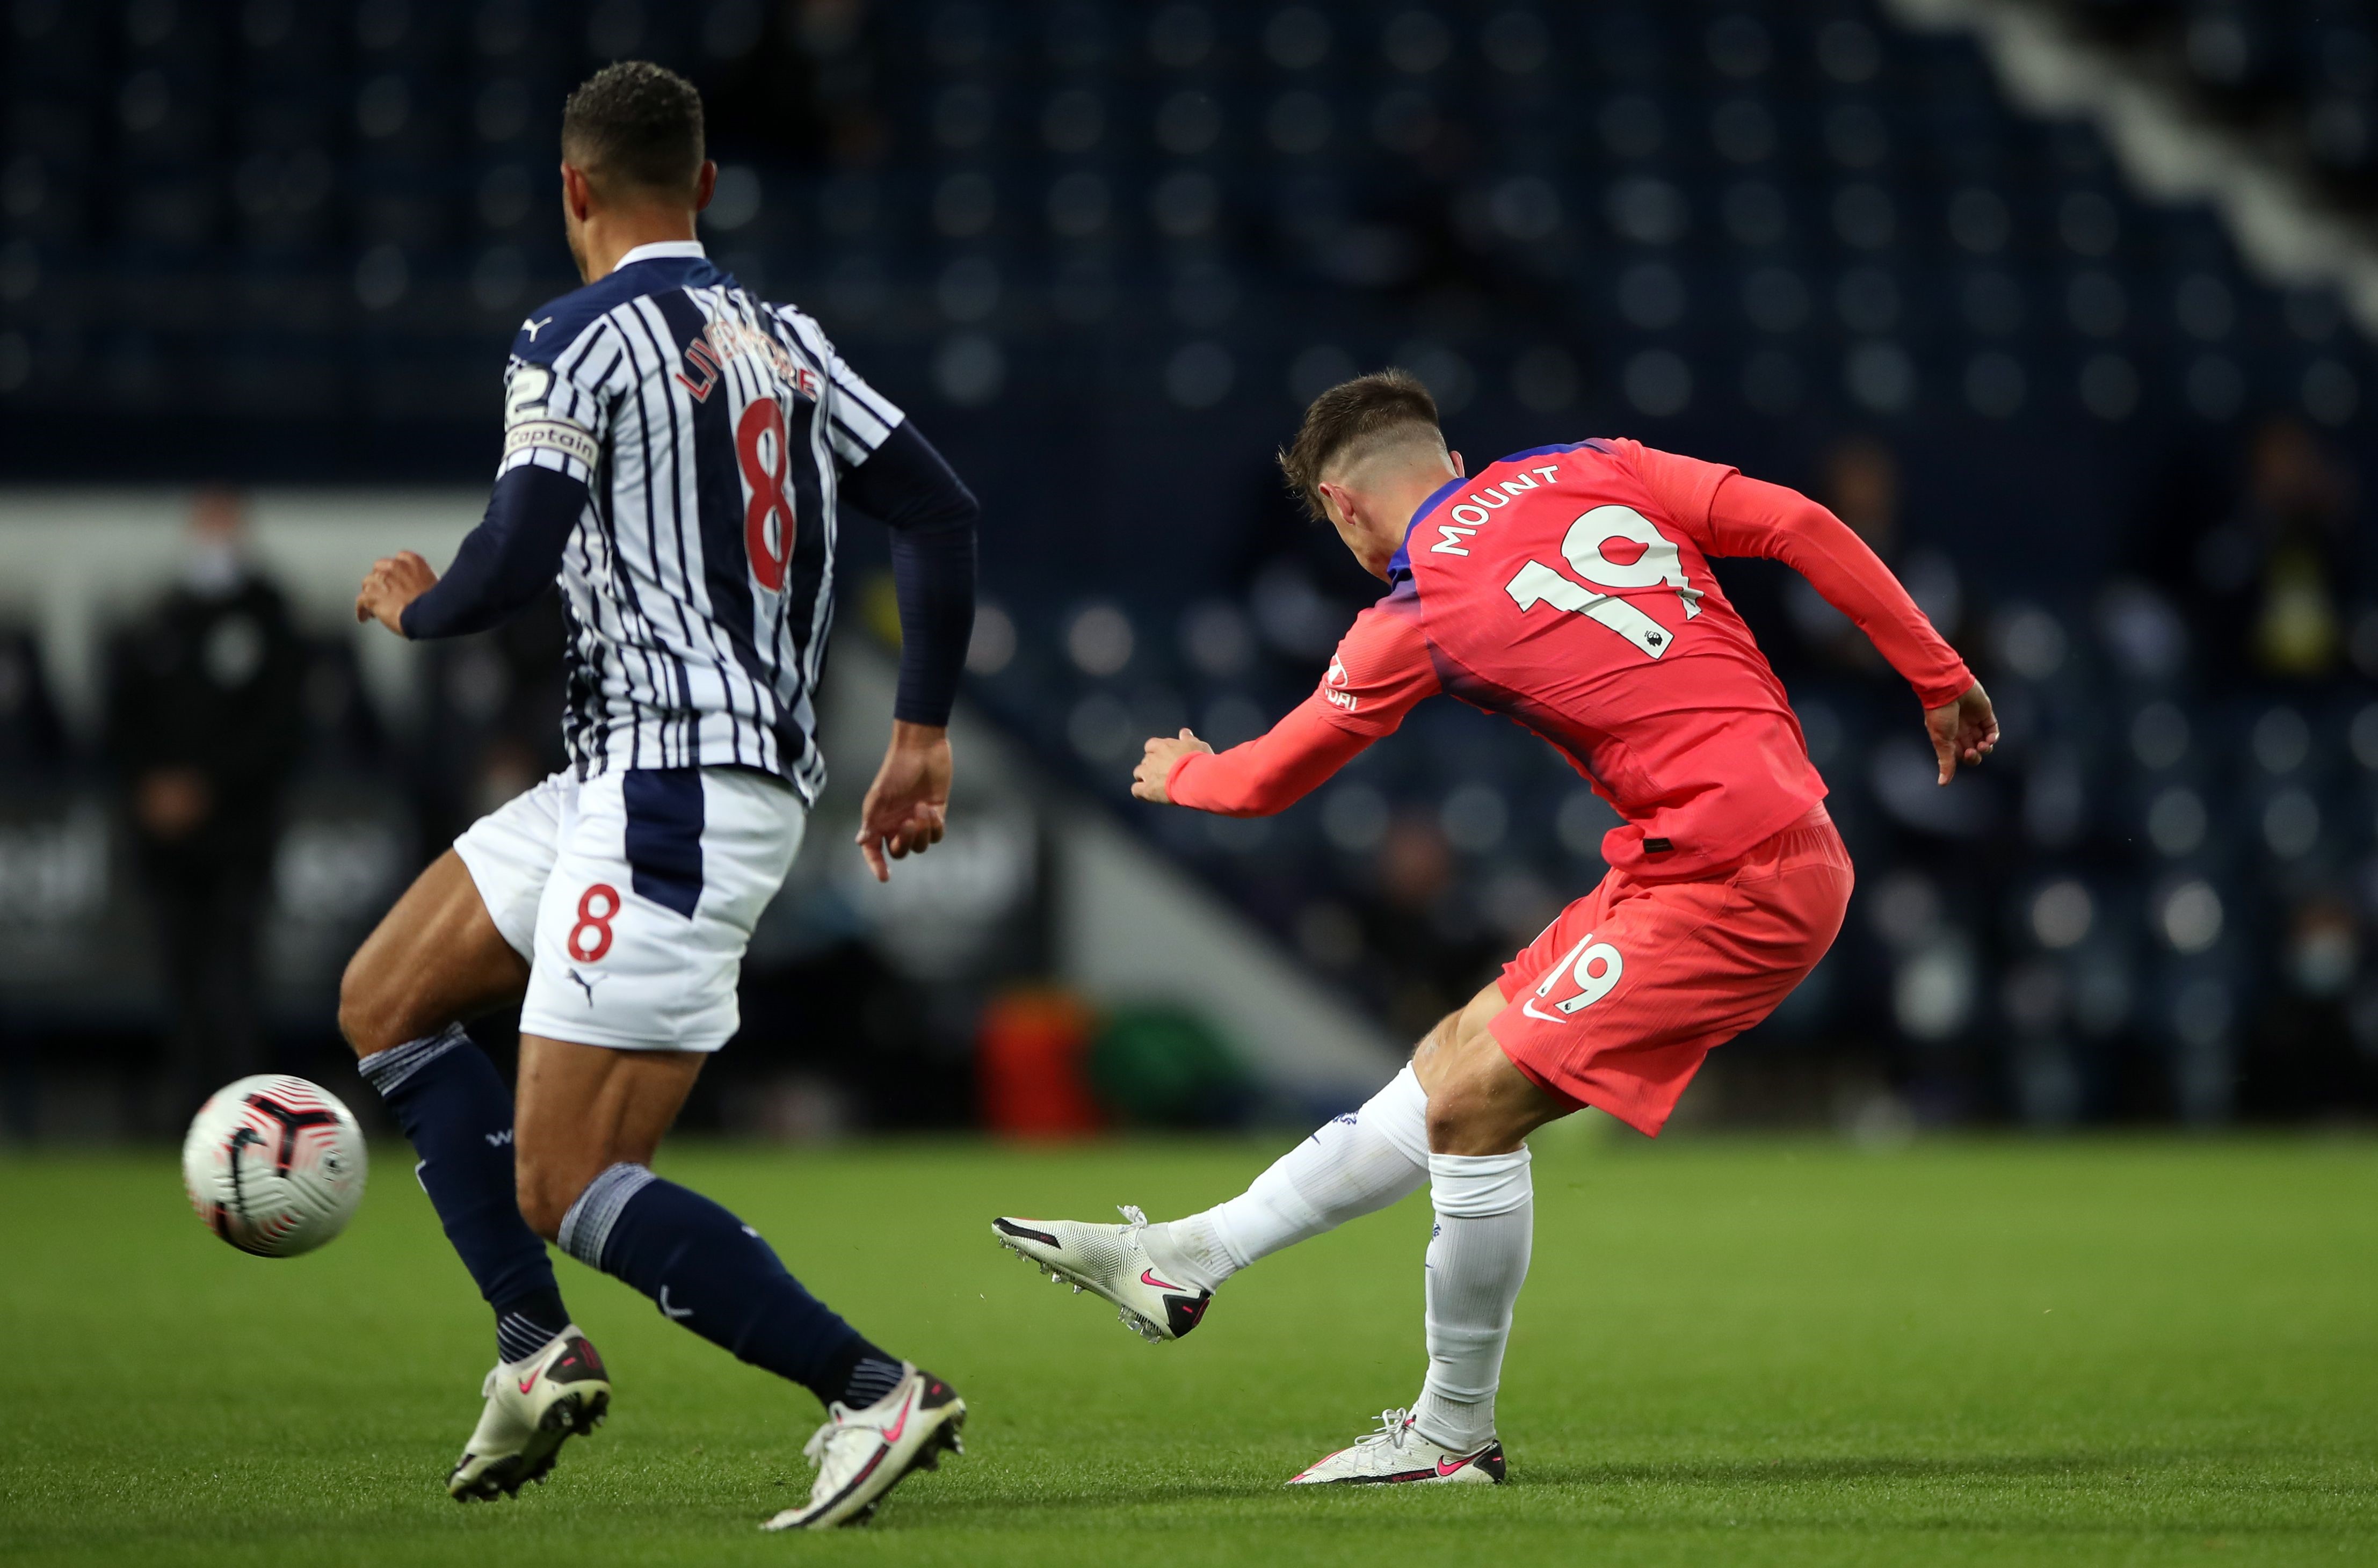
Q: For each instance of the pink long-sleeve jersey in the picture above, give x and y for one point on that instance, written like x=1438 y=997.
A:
x=1569 y=589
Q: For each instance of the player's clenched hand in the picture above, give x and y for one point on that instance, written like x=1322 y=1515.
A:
x=909 y=801
x=1155 y=770
x=393 y=582
x=1964 y=731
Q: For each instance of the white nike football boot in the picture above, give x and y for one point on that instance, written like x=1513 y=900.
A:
x=1112 y=1259
x=533 y=1407
x=862 y=1454
x=1396 y=1453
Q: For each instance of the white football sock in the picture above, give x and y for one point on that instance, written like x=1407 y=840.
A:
x=1477 y=1259
x=1353 y=1165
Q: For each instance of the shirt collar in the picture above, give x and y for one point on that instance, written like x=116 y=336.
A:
x=660 y=249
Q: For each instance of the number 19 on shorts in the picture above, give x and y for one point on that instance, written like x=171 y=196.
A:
x=1595 y=966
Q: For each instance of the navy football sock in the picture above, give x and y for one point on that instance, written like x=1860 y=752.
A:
x=862 y=1374
x=710 y=1272
x=452 y=1103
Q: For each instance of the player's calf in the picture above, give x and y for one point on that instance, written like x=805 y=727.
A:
x=457 y=1112
x=590 y=1109
x=437 y=957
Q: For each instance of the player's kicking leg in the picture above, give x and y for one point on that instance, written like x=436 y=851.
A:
x=1162 y=1277
x=438 y=958
x=1615 y=1004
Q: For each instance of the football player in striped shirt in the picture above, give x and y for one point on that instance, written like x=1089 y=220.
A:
x=674 y=451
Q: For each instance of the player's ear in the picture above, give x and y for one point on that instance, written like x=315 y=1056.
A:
x=1459 y=471
x=577 y=195
x=704 y=183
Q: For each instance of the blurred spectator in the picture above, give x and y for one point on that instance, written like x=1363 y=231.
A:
x=2298 y=506
x=203 y=723
x=31 y=740
x=798 y=84
x=1806 y=638
x=2303 y=1059
x=2265 y=580
x=494 y=716
x=1417 y=929
x=344 y=733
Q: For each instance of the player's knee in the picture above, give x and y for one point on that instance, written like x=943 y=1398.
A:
x=1460 y=1118
x=545 y=1189
x=1479 y=1105
x=366 y=1013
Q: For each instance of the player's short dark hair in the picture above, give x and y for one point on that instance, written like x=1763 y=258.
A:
x=1350 y=421
x=634 y=125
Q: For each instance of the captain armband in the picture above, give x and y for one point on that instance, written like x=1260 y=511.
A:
x=554 y=436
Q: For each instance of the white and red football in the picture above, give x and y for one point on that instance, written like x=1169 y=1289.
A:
x=274 y=1165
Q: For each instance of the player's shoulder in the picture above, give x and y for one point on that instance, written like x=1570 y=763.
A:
x=805 y=330
x=557 y=326
x=1395 y=614
x=1546 y=473
x=553 y=327
x=1385 y=643
x=1592 y=449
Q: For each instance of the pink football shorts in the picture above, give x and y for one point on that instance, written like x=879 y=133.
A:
x=1617 y=1003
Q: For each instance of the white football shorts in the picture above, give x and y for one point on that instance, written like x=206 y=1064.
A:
x=632 y=895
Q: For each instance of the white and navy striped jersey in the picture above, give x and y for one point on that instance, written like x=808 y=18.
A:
x=709 y=430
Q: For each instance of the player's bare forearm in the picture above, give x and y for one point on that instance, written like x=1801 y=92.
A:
x=907 y=806
x=1964 y=731
x=393 y=582
x=1150 y=779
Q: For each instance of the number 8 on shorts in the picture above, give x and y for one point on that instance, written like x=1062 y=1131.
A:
x=591 y=938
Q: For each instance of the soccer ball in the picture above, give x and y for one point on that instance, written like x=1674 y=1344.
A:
x=274 y=1165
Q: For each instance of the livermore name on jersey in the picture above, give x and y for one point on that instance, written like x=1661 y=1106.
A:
x=705 y=431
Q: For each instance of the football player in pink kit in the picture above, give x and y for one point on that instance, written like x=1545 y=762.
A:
x=1569 y=589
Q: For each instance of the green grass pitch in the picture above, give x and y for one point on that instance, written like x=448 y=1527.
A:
x=1729 y=1351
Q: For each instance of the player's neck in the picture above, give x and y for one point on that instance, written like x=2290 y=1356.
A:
x=608 y=236
x=1400 y=497
x=1394 y=505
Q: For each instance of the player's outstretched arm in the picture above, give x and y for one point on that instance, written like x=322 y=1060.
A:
x=907 y=806
x=1270 y=774
x=1382 y=668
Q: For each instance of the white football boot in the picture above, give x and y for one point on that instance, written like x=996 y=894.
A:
x=1396 y=1453
x=862 y=1454
x=534 y=1405
x=1112 y=1259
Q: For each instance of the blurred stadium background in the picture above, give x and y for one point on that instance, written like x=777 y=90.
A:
x=2066 y=307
